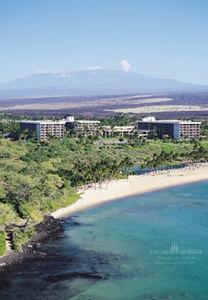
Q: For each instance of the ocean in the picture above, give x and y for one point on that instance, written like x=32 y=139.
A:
x=148 y=247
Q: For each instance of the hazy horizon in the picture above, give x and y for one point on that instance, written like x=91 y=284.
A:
x=93 y=68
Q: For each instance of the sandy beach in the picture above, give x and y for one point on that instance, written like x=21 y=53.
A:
x=134 y=185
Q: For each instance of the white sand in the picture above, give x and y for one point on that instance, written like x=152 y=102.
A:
x=135 y=185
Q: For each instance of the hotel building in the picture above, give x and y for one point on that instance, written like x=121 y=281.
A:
x=175 y=129
x=148 y=127
x=84 y=127
x=118 y=130
x=43 y=129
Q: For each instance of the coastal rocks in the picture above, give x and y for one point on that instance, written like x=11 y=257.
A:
x=49 y=228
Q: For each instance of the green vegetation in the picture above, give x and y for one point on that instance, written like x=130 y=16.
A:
x=37 y=178
x=21 y=237
x=204 y=129
x=10 y=128
x=118 y=120
x=2 y=243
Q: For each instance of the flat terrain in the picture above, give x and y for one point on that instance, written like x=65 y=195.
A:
x=187 y=105
x=163 y=108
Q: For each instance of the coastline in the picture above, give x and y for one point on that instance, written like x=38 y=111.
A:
x=33 y=248
x=96 y=195
x=134 y=185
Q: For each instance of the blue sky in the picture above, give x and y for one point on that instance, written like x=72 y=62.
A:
x=162 y=38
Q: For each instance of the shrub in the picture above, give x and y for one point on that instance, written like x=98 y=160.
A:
x=2 y=243
x=21 y=237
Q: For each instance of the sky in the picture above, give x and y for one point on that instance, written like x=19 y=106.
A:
x=160 y=38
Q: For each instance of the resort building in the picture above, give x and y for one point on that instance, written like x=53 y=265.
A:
x=175 y=129
x=118 y=130
x=147 y=127
x=84 y=127
x=43 y=129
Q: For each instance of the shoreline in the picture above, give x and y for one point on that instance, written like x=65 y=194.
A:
x=32 y=249
x=114 y=190
x=134 y=185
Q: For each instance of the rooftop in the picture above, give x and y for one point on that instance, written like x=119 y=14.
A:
x=153 y=120
x=87 y=121
x=43 y=121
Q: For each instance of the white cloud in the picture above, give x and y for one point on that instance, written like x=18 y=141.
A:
x=91 y=68
x=64 y=73
x=125 y=65
x=52 y=72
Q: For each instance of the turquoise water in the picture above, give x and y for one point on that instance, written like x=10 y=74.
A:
x=152 y=246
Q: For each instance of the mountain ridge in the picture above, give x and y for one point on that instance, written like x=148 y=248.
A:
x=92 y=82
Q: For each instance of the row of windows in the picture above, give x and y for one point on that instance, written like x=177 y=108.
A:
x=53 y=130
x=48 y=133
x=52 y=127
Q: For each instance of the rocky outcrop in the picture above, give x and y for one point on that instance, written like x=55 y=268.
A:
x=44 y=230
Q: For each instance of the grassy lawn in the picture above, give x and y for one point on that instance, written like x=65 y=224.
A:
x=142 y=152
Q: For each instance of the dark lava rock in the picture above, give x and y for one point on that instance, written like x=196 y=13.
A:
x=45 y=230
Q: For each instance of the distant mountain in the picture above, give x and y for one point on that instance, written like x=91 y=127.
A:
x=91 y=82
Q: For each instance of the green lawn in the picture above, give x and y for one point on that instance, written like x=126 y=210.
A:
x=141 y=153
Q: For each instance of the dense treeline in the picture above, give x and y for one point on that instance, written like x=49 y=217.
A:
x=37 y=178
x=119 y=119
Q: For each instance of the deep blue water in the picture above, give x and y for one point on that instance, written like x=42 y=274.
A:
x=152 y=246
